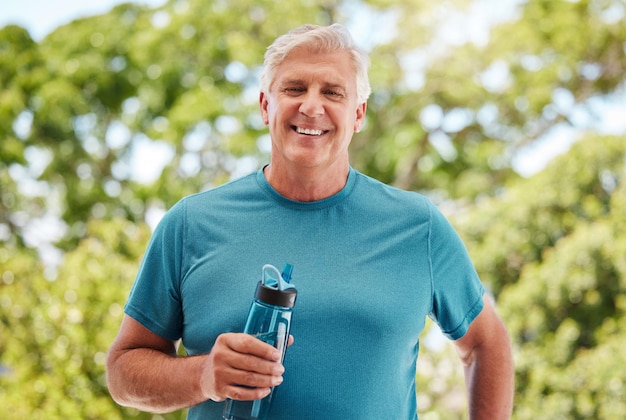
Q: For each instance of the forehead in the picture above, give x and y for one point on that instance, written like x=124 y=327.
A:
x=306 y=65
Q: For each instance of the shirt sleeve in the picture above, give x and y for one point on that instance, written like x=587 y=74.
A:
x=154 y=299
x=457 y=289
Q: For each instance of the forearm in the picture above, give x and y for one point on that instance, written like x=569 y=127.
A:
x=490 y=382
x=150 y=380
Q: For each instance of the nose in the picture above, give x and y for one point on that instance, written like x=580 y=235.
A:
x=312 y=105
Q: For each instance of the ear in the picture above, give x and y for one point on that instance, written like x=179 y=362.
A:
x=263 y=103
x=360 y=117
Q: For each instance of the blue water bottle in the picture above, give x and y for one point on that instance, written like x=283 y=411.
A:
x=269 y=319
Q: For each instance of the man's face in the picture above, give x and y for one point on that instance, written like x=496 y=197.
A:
x=312 y=110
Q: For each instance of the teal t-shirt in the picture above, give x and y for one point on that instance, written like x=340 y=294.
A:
x=370 y=263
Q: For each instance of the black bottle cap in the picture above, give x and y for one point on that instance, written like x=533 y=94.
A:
x=285 y=298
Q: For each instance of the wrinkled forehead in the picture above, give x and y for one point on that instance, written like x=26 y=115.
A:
x=334 y=68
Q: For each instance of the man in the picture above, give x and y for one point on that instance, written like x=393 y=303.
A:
x=370 y=263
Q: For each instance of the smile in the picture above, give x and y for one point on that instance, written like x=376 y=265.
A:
x=309 y=132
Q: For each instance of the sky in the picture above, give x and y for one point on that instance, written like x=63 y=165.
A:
x=41 y=17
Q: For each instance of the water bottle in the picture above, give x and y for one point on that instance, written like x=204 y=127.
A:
x=269 y=319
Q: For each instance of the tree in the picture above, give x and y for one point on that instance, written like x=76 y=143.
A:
x=56 y=331
x=97 y=90
x=448 y=119
x=553 y=247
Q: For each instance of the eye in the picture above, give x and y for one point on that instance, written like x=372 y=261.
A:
x=334 y=93
x=293 y=90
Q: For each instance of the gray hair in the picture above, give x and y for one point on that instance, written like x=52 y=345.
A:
x=319 y=39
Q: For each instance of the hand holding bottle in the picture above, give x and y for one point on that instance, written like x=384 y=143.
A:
x=241 y=367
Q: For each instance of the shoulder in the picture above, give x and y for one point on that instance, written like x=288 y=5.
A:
x=211 y=201
x=231 y=189
x=378 y=192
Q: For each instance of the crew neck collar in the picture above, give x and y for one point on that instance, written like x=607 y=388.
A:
x=307 y=205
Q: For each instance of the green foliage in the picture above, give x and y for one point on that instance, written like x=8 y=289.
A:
x=56 y=329
x=441 y=392
x=507 y=233
x=552 y=247
x=75 y=108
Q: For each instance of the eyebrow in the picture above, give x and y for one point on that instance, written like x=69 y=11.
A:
x=293 y=82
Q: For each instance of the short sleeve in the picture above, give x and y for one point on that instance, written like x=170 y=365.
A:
x=457 y=290
x=154 y=299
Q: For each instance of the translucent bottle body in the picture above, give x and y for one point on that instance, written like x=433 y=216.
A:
x=271 y=324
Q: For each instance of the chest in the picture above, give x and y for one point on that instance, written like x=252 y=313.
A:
x=358 y=276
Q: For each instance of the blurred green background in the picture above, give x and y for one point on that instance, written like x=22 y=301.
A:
x=511 y=116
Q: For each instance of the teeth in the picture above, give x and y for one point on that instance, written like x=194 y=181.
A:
x=309 y=132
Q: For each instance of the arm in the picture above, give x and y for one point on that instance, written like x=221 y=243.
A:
x=488 y=363
x=144 y=372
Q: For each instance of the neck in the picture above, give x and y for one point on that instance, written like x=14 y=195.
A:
x=307 y=184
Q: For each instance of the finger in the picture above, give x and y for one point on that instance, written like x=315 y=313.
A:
x=247 y=344
x=254 y=364
x=232 y=375
x=247 y=394
x=253 y=379
x=232 y=366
